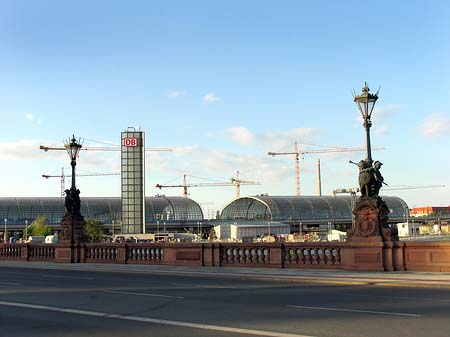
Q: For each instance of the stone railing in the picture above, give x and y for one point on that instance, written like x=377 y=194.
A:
x=28 y=252
x=313 y=255
x=358 y=255
x=137 y=253
x=123 y=253
x=101 y=253
x=10 y=252
x=41 y=252
x=238 y=254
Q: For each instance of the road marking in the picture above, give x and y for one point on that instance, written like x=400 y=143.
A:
x=140 y=294
x=354 y=310
x=69 y=277
x=401 y=297
x=153 y=320
x=11 y=283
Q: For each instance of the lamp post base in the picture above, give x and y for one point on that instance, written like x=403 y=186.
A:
x=371 y=221
x=374 y=244
x=70 y=248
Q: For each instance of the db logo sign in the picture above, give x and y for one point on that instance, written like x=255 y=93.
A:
x=130 y=142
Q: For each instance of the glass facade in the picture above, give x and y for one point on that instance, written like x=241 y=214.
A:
x=303 y=208
x=176 y=211
x=133 y=181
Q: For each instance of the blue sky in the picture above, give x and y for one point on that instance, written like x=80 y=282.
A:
x=223 y=83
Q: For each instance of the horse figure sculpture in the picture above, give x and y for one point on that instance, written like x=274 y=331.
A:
x=370 y=179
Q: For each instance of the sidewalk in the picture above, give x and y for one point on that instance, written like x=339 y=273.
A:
x=417 y=279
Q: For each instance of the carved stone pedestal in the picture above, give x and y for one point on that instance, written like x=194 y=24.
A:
x=371 y=217
x=69 y=248
x=372 y=240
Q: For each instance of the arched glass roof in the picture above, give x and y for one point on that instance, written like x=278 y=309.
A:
x=160 y=208
x=302 y=208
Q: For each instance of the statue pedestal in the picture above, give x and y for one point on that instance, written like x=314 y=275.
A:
x=371 y=217
x=69 y=248
x=372 y=240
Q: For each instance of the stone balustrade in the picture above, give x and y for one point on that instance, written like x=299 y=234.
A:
x=388 y=256
x=41 y=252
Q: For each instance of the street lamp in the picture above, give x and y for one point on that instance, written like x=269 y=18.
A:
x=4 y=234
x=157 y=230
x=112 y=228
x=73 y=148
x=26 y=230
x=366 y=103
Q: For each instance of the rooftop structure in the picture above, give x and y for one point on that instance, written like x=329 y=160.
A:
x=176 y=211
x=297 y=210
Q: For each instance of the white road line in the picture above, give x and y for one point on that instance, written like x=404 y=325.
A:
x=141 y=294
x=153 y=320
x=69 y=277
x=401 y=297
x=353 y=310
x=11 y=283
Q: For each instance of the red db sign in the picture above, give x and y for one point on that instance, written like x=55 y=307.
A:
x=128 y=142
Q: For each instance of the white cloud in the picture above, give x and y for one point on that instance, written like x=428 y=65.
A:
x=381 y=130
x=385 y=112
x=274 y=140
x=240 y=135
x=29 y=116
x=24 y=150
x=211 y=98
x=436 y=125
x=176 y=93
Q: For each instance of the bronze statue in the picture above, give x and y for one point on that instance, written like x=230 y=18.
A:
x=377 y=177
x=370 y=179
x=72 y=202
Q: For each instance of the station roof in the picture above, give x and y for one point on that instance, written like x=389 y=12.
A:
x=106 y=210
x=302 y=208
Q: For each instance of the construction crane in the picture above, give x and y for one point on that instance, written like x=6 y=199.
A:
x=238 y=182
x=297 y=154
x=102 y=148
x=233 y=181
x=63 y=177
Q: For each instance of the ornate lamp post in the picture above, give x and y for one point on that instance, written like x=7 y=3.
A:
x=366 y=103
x=371 y=212
x=72 y=224
x=5 y=237
x=73 y=148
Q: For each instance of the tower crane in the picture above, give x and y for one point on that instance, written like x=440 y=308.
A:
x=102 y=148
x=297 y=154
x=63 y=177
x=237 y=181
x=233 y=181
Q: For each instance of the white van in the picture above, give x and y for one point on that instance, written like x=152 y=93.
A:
x=51 y=239
x=36 y=239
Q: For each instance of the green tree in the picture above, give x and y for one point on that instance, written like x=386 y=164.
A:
x=39 y=227
x=93 y=230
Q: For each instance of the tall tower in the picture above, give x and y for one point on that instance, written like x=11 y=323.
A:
x=133 y=181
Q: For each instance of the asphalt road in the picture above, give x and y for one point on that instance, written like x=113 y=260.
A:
x=60 y=302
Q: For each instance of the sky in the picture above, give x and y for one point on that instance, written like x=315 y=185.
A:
x=221 y=83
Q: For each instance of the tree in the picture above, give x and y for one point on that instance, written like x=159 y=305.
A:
x=39 y=227
x=93 y=230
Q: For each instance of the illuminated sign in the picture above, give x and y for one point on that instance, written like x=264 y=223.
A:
x=130 y=142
